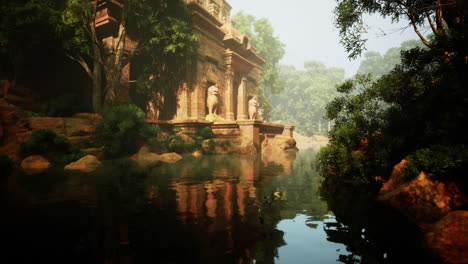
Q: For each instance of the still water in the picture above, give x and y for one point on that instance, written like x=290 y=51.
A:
x=212 y=209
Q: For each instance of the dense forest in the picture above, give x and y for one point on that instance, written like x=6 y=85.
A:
x=416 y=110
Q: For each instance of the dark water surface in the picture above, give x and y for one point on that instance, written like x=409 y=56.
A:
x=212 y=209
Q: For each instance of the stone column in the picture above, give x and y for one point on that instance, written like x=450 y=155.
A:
x=198 y=104
x=228 y=97
x=242 y=100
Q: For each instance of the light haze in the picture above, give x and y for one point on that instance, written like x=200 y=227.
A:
x=307 y=29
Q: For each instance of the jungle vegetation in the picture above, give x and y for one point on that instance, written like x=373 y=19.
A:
x=416 y=111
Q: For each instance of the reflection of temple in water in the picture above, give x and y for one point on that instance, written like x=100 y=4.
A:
x=225 y=206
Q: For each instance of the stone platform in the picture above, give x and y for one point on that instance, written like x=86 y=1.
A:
x=253 y=135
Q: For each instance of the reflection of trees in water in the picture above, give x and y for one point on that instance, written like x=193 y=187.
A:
x=372 y=232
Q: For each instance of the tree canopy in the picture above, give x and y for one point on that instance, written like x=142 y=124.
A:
x=441 y=15
x=307 y=93
x=379 y=65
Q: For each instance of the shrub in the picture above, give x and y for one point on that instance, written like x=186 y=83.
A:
x=56 y=148
x=123 y=130
x=206 y=133
x=439 y=162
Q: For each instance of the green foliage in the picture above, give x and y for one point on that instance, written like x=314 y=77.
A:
x=308 y=92
x=349 y=18
x=6 y=165
x=207 y=133
x=269 y=47
x=419 y=107
x=123 y=130
x=56 y=148
x=64 y=105
x=440 y=162
x=380 y=65
x=175 y=143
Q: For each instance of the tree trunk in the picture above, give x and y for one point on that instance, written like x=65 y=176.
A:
x=97 y=87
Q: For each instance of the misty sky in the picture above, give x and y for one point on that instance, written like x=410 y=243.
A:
x=306 y=27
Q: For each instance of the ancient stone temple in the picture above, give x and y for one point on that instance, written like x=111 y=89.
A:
x=226 y=59
x=223 y=84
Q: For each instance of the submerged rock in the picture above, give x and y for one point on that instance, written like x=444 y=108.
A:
x=88 y=163
x=170 y=157
x=35 y=164
x=145 y=158
x=197 y=153
x=448 y=238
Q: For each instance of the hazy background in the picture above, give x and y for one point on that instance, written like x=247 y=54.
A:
x=307 y=29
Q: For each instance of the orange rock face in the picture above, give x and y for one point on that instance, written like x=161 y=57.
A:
x=14 y=128
x=424 y=201
x=35 y=164
x=448 y=238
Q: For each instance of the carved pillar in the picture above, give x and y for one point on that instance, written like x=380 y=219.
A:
x=242 y=100
x=228 y=96
x=197 y=99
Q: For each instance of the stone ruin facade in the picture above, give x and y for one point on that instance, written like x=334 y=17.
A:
x=223 y=87
x=225 y=59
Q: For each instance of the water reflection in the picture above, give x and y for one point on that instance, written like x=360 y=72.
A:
x=213 y=209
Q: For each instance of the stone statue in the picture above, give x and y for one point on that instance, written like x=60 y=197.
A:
x=212 y=100
x=253 y=112
x=150 y=111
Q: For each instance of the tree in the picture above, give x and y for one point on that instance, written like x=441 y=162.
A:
x=308 y=92
x=379 y=65
x=162 y=35
x=441 y=15
x=24 y=25
x=268 y=47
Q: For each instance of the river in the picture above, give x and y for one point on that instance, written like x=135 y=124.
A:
x=211 y=209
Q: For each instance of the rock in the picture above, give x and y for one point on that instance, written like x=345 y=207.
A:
x=55 y=124
x=448 y=238
x=395 y=179
x=186 y=139
x=35 y=164
x=15 y=129
x=170 y=157
x=95 y=119
x=88 y=163
x=145 y=158
x=98 y=152
x=424 y=201
x=78 y=127
x=197 y=153
x=278 y=143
